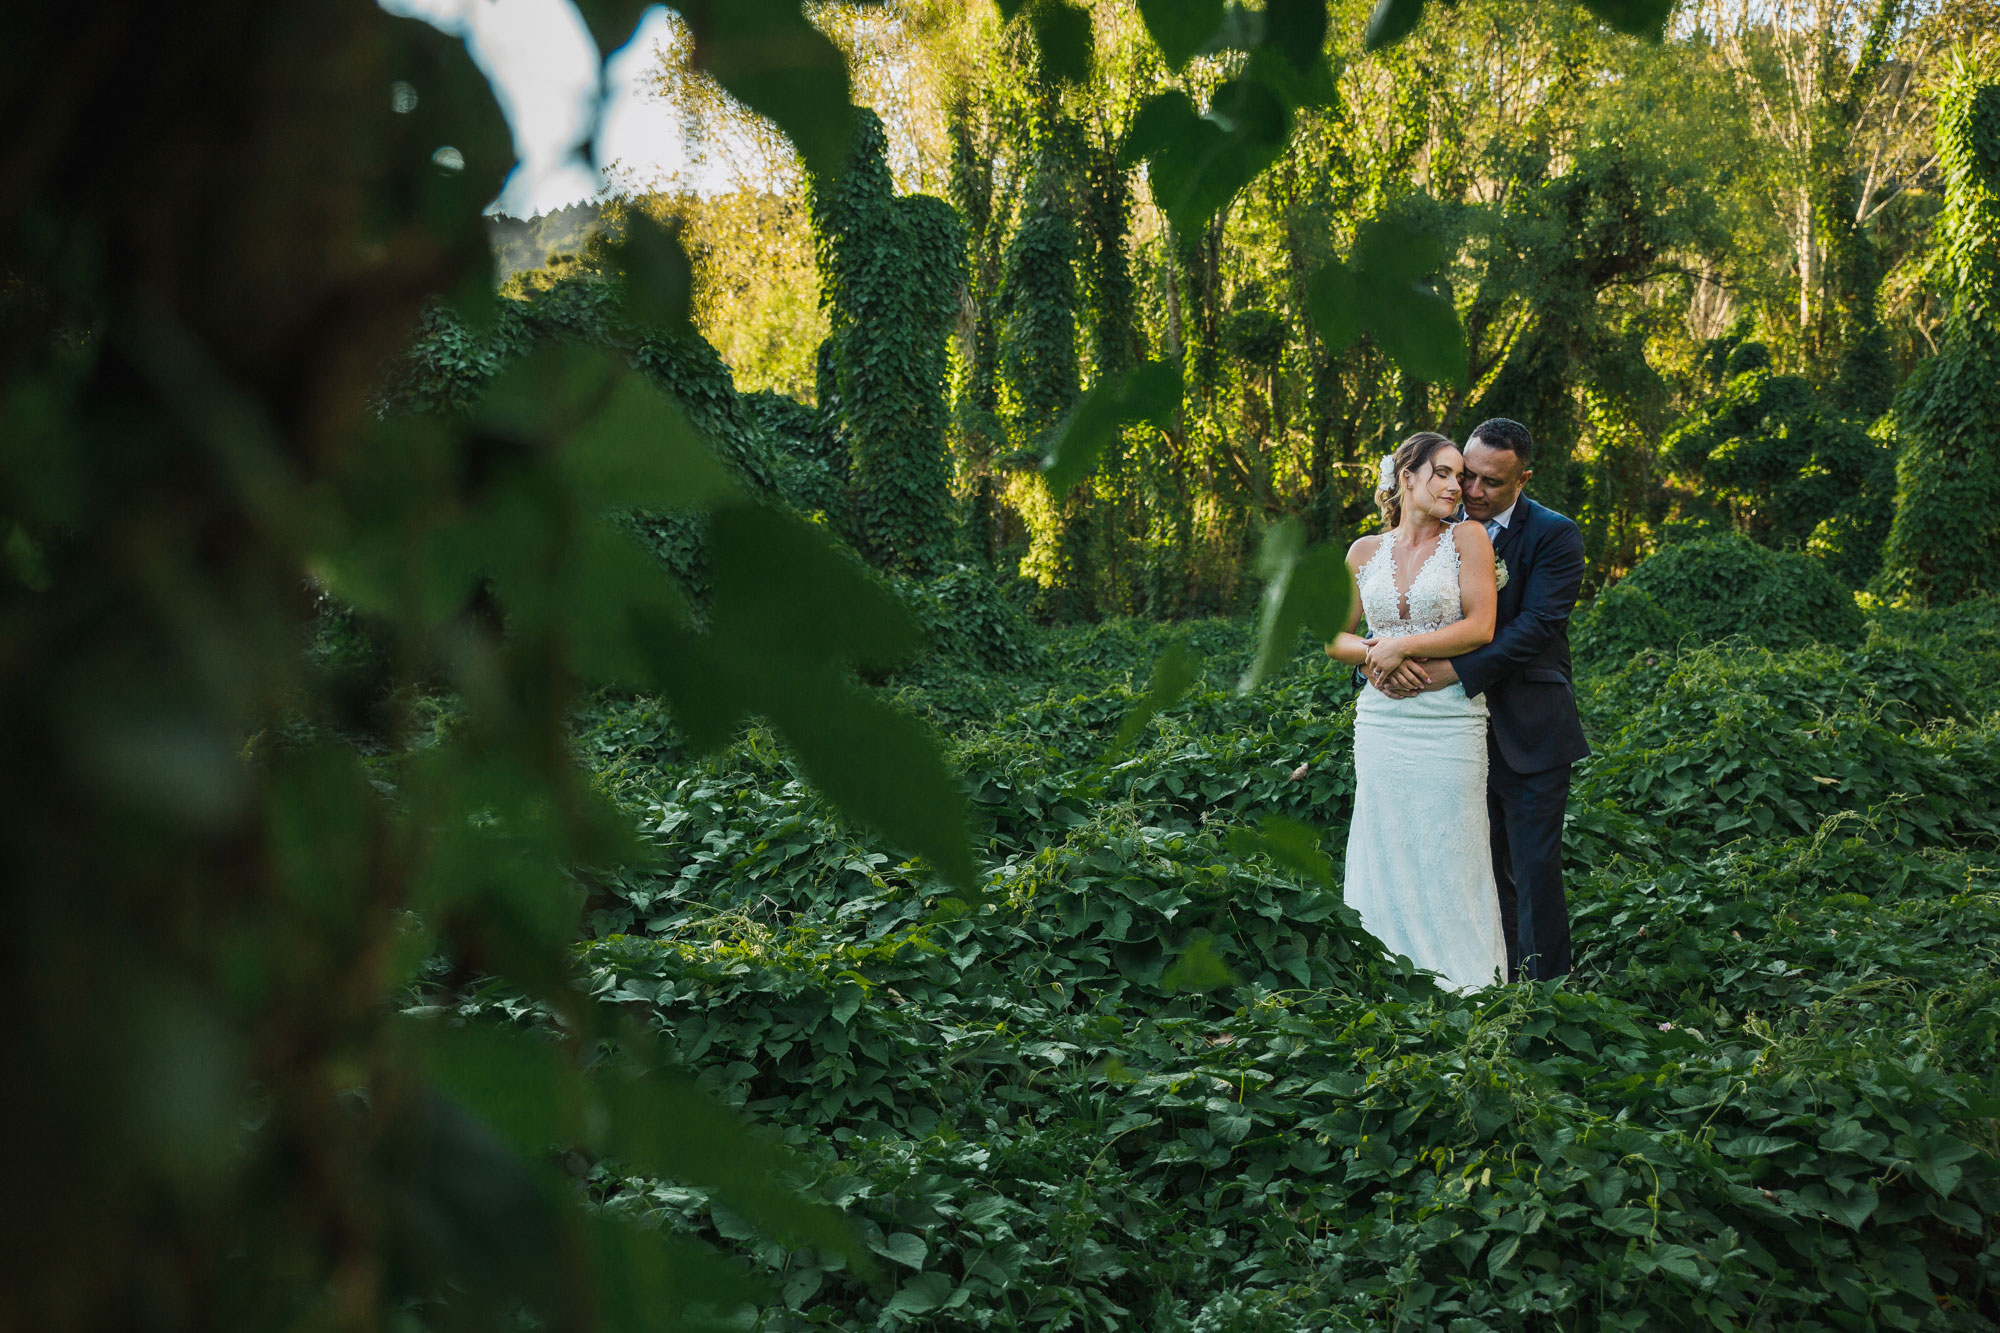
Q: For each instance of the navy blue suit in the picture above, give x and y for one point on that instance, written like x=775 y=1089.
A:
x=1534 y=734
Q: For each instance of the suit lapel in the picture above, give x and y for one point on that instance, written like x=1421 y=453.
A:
x=1511 y=534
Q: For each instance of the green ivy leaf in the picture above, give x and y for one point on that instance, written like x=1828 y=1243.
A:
x=1287 y=842
x=639 y=449
x=642 y=1272
x=1390 y=22
x=1641 y=18
x=1334 y=298
x=1164 y=118
x=920 y=1295
x=1390 y=251
x=1199 y=164
x=784 y=591
x=1303 y=589
x=659 y=281
x=1935 y=1157
x=1296 y=29
x=611 y=22
x=1181 y=28
x=1199 y=968
x=1177 y=669
x=1380 y=289
x=1063 y=33
x=905 y=1248
x=1420 y=332
x=1149 y=392
x=771 y=59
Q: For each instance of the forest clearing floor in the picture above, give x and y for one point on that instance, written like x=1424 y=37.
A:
x=1157 y=1078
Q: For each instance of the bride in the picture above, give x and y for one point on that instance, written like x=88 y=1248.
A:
x=1419 y=869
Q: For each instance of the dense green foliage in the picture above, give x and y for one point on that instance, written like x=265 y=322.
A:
x=1788 y=470
x=1945 y=542
x=1724 y=584
x=336 y=691
x=1158 y=1078
x=890 y=270
x=1575 y=221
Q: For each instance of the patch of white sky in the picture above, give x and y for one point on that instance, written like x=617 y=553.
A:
x=543 y=65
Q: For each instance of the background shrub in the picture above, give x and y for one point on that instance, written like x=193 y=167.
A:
x=1726 y=584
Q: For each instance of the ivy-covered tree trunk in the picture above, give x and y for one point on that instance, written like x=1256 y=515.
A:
x=986 y=211
x=890 y=270
x=1038 y=358
x=1945 y=540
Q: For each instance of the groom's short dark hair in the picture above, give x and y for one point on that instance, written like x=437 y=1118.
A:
x=1500 y=433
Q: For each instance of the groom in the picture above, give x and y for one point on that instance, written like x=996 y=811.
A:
x=1533 y=734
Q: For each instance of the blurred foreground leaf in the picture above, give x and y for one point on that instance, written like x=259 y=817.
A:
x=1180 y=28
x=1149 y=393
x=1380 y=289
x=1304 y=588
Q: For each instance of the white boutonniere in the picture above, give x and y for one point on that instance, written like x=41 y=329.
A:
x=1499 y=573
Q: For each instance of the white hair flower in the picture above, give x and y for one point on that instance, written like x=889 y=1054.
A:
x=1388 y=478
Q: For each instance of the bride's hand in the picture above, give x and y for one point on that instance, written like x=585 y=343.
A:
x=1383 y=659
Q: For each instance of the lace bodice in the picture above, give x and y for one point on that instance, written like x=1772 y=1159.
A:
x=1431 y=600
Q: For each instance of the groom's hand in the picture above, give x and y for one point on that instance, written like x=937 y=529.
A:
x=1441 y=673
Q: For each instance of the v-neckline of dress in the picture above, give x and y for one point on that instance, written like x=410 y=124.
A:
x=1402 y=593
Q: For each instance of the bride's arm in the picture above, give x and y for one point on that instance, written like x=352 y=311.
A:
x=1348 y=646
x=1478 y=596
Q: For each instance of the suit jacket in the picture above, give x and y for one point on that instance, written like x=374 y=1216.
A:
x=1525 y=672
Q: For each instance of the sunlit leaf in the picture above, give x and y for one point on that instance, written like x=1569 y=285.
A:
x=1149 y=392
x=1304 y=588
x=1180 y=28
x=1177 y=669
x=1420 y=332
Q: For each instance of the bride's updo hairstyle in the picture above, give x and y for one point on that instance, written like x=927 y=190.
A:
x=1410 y=455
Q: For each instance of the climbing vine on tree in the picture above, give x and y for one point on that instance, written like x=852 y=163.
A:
x=890 y=271
x=1945 y=541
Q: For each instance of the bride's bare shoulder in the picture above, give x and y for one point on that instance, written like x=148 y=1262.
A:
x=1471 y=538
x=1363 y=549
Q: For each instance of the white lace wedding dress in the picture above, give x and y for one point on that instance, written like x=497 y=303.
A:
x=1419 y=866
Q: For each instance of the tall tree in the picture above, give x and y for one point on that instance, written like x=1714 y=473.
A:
x=891 y=270
x=1945 y=542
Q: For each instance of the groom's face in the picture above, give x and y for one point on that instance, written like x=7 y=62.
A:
x=1493 y=479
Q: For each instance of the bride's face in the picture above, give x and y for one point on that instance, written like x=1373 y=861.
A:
x=1434 y=488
